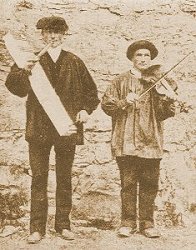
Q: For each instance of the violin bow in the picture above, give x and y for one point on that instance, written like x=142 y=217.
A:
x=166 y=73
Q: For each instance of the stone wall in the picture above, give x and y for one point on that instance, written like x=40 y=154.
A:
x=100 y=32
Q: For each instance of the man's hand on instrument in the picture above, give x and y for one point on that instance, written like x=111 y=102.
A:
x=150 y=79
x=132 y=97
x=31 y=63
x=82 y=116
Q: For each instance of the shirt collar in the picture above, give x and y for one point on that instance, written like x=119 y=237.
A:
x=55 y=52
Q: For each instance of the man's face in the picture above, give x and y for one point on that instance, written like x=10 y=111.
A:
x=141 y=59
x=55 y=38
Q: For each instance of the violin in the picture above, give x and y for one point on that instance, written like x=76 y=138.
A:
x=164 y=85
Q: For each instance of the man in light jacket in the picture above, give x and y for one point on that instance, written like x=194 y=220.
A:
x=137 y=137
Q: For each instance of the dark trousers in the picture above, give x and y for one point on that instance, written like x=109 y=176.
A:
x=134 y=170
x=39 y=162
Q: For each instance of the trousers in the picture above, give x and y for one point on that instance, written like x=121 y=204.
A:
x=145 y=172
x=39 y=162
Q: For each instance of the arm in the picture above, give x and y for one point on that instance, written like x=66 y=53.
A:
x=165 y=108
x=17 y=81
x=89 y=90
x=111 y=101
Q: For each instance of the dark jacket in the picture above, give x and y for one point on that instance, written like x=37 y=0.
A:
x=72 y=83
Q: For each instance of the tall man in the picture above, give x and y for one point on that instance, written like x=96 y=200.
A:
x=77 y=91
x=137 y=137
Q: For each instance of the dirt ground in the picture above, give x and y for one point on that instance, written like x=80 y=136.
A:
x=91 y=238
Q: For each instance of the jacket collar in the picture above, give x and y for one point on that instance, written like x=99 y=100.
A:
x=135 y=72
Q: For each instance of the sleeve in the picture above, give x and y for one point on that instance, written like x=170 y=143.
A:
x=111 y=102
x=165 y=108
x=89 y=90
x=17 y=81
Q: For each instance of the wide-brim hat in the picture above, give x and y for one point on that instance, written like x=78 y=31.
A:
x=52 y=23
x=142 y=44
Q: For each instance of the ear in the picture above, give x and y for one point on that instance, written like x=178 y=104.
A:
x=43 y=31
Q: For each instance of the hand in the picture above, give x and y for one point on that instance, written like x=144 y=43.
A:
x=173 y=107
x=82 y=116
x=151 y=79
x=132 y=97
x=72 y=130
x=31 y=63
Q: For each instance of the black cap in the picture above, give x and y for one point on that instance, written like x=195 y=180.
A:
x=142 y=44
x=52 y=23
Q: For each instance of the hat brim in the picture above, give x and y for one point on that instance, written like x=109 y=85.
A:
x=143 y=44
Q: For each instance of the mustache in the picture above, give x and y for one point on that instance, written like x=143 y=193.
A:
x=143 y=64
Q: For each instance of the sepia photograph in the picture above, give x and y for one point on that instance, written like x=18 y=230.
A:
x=97 y=131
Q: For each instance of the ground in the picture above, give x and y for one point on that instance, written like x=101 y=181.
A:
x=91 y=238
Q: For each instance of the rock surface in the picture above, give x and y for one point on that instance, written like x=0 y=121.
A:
x=100 y=32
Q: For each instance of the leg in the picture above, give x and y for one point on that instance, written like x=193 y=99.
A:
x=64 y=161
x=39 y=160
x=128 y=174
x=148 y=188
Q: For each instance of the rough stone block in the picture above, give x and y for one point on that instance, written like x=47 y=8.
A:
x=101 y=211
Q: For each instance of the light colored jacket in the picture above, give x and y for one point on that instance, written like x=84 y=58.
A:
x=137 y=129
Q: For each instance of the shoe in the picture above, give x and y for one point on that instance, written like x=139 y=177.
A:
x=151 y=232
x=34 y=238
x=125 y=231
x=67 y=234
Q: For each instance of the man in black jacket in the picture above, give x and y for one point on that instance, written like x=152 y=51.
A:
x=77 y=91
